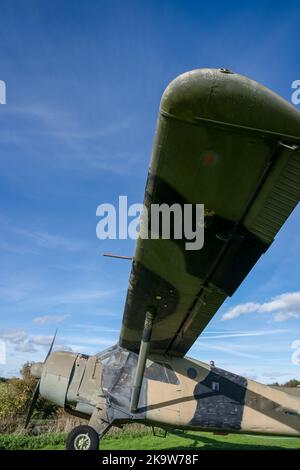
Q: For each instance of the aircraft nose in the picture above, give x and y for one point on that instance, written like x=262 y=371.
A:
x=36 y=369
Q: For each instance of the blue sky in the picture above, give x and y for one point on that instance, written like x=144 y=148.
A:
x=84 y=81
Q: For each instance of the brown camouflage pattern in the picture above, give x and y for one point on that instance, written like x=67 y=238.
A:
x=176 y=393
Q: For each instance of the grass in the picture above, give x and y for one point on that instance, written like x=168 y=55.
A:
x=146 y=441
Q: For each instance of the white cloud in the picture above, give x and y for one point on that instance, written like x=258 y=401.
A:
x=13 y=336
x=26 y=347
x=282 y=316
x=48 y=319
x=18 y=339
x=41 y=340
x=21 y=342
x=240 y=309
x=284 y=307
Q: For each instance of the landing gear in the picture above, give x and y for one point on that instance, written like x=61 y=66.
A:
x=87 y=437
x=83 y=438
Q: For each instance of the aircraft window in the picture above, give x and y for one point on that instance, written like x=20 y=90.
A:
x=215 y=386
x=191 y=373
x=162 y=373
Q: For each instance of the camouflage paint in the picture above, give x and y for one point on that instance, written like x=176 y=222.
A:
x=239 y=404
x=229 y=143
x=224 y=141
x=171 y=398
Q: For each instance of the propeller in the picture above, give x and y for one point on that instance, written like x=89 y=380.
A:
x=37 y=368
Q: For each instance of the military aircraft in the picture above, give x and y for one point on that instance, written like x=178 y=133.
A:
x=227 y=142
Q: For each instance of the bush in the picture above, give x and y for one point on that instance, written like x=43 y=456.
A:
x=15 y=396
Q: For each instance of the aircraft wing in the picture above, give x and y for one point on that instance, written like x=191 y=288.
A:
x=224 y=141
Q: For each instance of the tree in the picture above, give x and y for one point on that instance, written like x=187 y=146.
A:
x=292 y=383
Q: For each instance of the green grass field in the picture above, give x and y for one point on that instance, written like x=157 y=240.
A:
x=177 y=441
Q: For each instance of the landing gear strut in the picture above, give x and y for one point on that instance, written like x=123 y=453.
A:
x=87 y=437
x=83 y=438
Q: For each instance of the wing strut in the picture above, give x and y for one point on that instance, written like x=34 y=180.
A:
x=141 y=363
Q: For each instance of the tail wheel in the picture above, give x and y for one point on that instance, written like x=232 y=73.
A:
x=82 y=438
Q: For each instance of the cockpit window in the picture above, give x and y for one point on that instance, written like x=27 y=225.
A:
x=162 y=372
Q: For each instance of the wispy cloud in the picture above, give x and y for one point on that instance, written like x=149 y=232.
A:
x=50 y=241
x=283 y=307
x=35 y=297
x=241 y=334
x=83 y=295
x=94 y=328
x=231 y=349
x=275 y=374
x=49 y=319
x=73 y=141
x=11 y=293
x=26 y=240
x=62 y=123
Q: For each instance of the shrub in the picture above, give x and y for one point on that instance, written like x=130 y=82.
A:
x=15 y=395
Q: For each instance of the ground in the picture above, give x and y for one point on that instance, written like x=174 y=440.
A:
x=177 y=441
